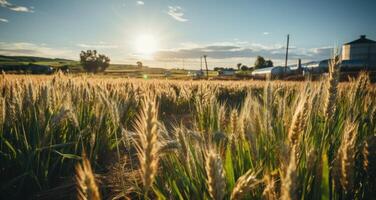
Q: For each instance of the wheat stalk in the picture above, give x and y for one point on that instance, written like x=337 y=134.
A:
x=234 y=122
x=222 y=117
x=269 y=191
x=215 y=175
x=185 y=152
x=346 y=156
x=244 y=185
x=329 y=104
x=299 y=123
x=369 y=156
x=289 y=181
x=2 y=111
x=147 y=144
x=86 y=186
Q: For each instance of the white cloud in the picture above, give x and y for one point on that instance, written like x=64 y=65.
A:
x=21 y=9
x=31 y=49
x=140 y=3
x=100 y=45
x=265 y=33
x=176 y=12
x=4 y=20
x=6 y=4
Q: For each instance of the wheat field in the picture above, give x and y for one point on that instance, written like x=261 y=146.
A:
x=88 y=137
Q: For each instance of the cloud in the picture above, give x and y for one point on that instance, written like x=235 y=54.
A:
x=140 y=3
x=322 y=52
x=6 y=4
x=265 y=33
x=21 y=9
x=100 y=45
x=176 y=12
x=217 y=52
x=31 y=49
x=234 y=50
x=4 y=20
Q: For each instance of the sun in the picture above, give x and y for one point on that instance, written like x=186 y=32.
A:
x=146 y=45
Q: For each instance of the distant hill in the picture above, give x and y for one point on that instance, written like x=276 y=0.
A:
x=75 y=66
x=19 y=62
x=31 y=59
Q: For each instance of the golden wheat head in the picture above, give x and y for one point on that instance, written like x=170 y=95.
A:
x=86 y=186
x=147 y=128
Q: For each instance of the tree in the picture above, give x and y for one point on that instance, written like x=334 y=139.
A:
x=239 y=65
x=260 y=62
x=94 y=62
x=268 y=63
x=244 y=68
x=139 y=64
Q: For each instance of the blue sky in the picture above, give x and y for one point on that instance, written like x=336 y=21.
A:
x=175 y=33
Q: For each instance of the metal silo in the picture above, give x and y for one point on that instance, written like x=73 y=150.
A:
x=362 y=50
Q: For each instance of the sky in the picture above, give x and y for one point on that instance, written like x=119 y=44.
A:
x=176 y=33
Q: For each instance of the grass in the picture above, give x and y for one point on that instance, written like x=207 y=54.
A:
x=165 y=139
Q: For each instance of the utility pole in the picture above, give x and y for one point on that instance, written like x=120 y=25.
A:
x=207 y=70
x=287 y=51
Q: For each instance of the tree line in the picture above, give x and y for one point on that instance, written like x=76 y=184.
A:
x=94 y=62
x=259 y=64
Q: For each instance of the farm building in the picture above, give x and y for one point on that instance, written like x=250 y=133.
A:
x=316 y=67
x=357 y=55
x=354 y=66
x=361 y=51
x=271 y=72
x=198 y=74
x=226 y=72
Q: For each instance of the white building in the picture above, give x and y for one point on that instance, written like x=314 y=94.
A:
x=271 y=72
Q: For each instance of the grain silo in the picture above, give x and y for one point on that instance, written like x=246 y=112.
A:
x=362 y=50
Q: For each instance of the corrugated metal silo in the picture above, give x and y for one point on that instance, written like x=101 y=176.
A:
x=360 y=50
